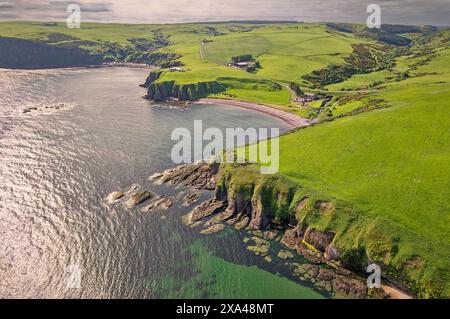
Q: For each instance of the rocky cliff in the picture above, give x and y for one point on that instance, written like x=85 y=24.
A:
x=152 y=77
x=162 y=91
x=25 y=54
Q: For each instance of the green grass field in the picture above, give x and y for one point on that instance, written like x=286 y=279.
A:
x=222 y=51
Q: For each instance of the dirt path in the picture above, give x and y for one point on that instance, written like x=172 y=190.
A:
x=395 y=293
x=293 y=120
x=202 y=50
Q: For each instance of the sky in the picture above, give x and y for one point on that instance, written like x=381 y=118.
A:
x=418 y=12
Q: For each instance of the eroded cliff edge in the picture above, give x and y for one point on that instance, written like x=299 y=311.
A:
x=170 y=90
x=324 y=230
x=18 y=53
x=26 y=54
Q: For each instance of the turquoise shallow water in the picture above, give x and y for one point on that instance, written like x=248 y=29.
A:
x=56 y=167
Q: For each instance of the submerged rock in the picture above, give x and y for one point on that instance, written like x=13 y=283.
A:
x=163 y=203
x=261 y=246
x=307 y=271
x=213 y=229
x=242 y=223
x=271 y=234
x=260 y=241
x=258 y=250
x=349 y=287
x=284 y=254
x=324 y=285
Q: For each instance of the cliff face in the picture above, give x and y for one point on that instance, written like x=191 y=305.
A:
x=164 y=60
x=152 y=77
x=162 y=91
x=24 y=54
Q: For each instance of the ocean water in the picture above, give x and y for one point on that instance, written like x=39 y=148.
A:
x=58 y=238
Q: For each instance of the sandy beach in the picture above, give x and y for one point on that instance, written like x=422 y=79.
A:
x=291 y=119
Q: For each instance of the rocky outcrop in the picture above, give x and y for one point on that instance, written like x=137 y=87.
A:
x=218 y=218
x=204 y=210
x=324 y=206
x=114 y=197
x=44 y=108
x=138 y=198
x=152 y=77
x=259 y=219
x=318 y=239
x=168 y=90
x=199 y=176
x=25 y=54
x=161 y=202
x=350 y=287
x=291 y=238
x=213 y=229
x=131 y=197
x=190 y=199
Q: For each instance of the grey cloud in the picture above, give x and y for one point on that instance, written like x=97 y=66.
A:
x=6 y=5
x=165 y=11
x=93 y=7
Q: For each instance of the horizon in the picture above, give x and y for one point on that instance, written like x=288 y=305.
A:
x=225 y=22
x=404 y=12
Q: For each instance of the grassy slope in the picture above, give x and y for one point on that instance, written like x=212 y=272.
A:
x=389 y=161
x=116 y=33
x=392 y=164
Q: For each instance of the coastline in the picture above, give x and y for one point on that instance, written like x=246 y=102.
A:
x=87 y=67
x=291 y=119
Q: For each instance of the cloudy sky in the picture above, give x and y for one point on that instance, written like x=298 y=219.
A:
x=436 y=12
